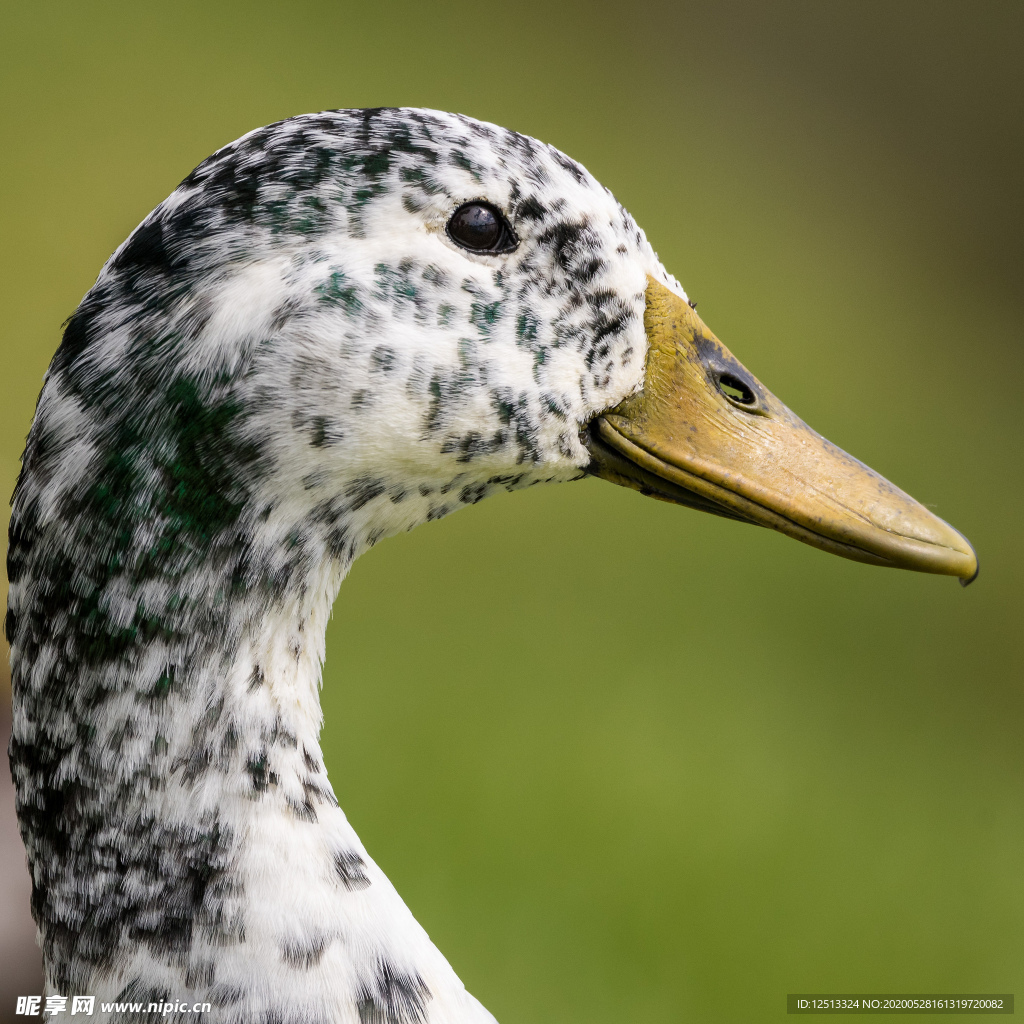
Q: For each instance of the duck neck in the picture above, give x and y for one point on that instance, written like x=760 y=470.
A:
x=184 y=839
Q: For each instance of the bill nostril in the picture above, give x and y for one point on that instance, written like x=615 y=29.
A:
x=736 y=390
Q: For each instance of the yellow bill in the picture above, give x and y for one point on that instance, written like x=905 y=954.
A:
x=704 y=432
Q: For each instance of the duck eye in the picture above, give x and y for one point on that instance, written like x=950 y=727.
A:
x=481 y=227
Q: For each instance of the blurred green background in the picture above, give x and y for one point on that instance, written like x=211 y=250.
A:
x=625 y=761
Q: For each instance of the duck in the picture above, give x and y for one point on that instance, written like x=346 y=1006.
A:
x=336 y=328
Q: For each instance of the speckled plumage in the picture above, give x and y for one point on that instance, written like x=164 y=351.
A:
x=287 y=361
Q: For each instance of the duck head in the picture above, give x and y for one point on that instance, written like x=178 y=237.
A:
x=345 y=324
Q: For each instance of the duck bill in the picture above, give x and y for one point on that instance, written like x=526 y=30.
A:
x=705 y=433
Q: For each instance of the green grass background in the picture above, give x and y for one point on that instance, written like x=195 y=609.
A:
x=624 y=761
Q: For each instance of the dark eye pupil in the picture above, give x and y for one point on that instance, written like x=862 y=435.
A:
x=479 y=227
